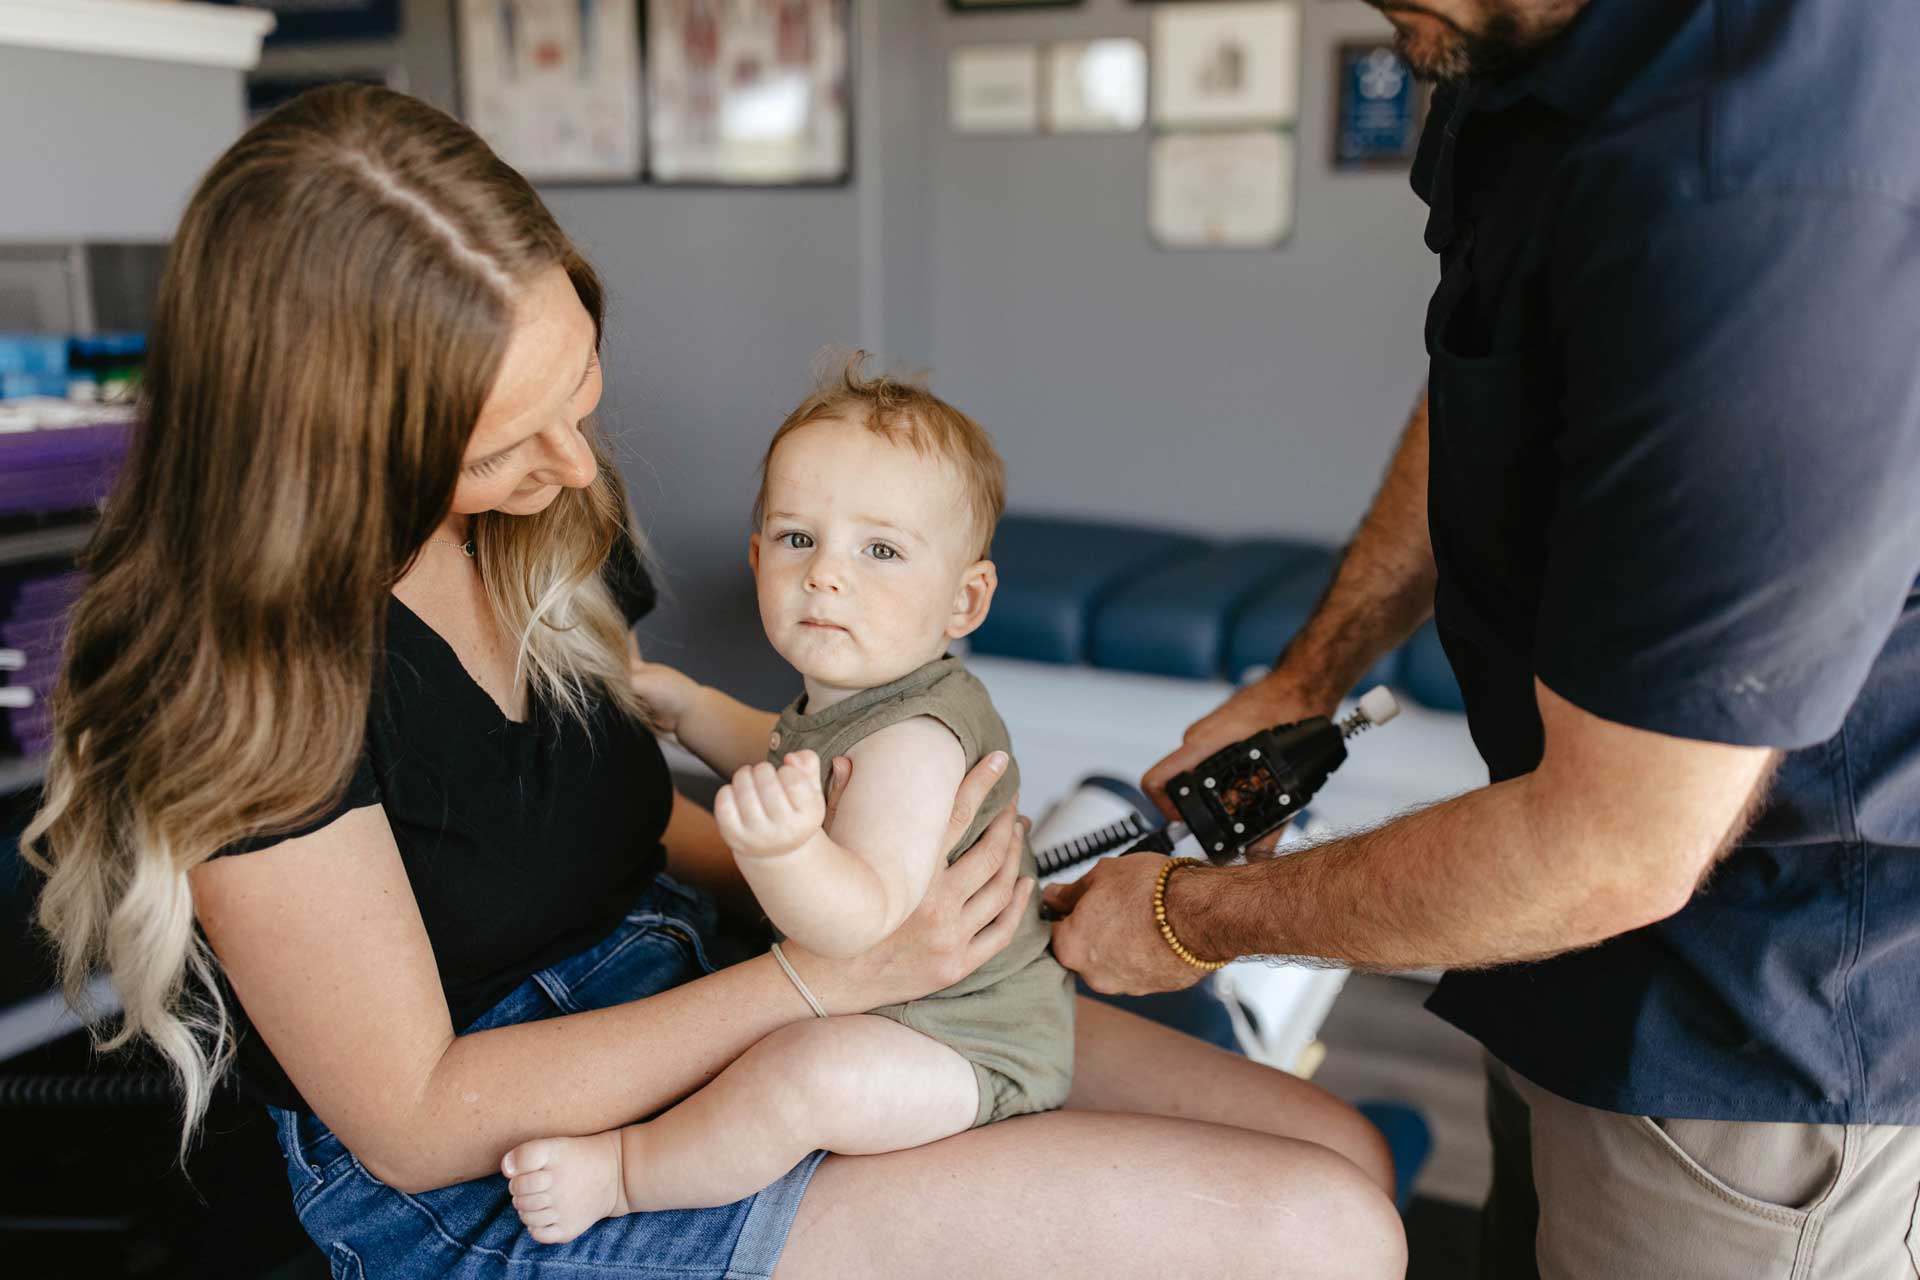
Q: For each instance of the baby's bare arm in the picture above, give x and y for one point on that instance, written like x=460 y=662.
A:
x=840 y=893
x=725 y=732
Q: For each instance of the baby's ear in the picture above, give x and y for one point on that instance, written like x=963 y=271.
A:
x=972 y=598
x=753 y=553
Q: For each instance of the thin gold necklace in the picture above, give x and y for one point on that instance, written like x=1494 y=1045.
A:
x=466 y=548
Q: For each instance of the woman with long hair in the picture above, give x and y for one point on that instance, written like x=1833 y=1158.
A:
x=350 y=785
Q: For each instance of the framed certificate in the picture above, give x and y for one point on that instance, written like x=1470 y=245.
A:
x=994 y=88
x=1226 y=64
x=554 y=85
x=748 y=92
x=994 y=6
x=1096 y=86
x=1378 y=107
x=1221 y=190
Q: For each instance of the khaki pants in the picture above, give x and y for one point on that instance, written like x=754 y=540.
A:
x=1580 y=1194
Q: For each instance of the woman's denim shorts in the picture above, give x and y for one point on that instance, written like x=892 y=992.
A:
x=367 y=1229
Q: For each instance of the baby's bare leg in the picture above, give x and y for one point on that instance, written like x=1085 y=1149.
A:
x=855 y=1086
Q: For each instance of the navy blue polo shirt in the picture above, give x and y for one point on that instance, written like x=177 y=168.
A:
x=1675 y=475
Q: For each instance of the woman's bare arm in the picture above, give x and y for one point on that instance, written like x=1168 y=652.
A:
x=322 y=941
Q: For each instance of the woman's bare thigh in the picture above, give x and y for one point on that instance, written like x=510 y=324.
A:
x=1173 y=1159
x=1081 y=1194
x=1122 y=1062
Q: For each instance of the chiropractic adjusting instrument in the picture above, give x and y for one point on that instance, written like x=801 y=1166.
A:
x=1238 y=794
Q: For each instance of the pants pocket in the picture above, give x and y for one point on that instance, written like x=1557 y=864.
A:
x=344 y=1263
x=1776 y=1172
x=1913 y=1233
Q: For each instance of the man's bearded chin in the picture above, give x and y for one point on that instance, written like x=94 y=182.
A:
x=1438 y=50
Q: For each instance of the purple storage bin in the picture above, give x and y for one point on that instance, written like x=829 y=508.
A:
x=33 y=734
x=34 y=603
x=44 y=593
x=59 y=468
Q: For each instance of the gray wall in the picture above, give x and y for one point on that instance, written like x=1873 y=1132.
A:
x=717 y=302
x=1100 y=361
x=1020 y=271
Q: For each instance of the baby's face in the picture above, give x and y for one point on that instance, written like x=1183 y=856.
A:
x=864 y=558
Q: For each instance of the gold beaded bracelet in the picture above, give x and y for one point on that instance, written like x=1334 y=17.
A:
x=1166 y=929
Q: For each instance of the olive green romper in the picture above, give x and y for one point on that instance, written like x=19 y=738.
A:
x=1012 y=1018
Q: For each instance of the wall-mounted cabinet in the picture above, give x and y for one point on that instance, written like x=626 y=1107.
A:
x=112 y=109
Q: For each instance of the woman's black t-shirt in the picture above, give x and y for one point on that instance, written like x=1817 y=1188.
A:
x=524 y=841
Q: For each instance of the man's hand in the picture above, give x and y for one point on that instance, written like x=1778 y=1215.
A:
x=1109 y=936
x=1261 y=705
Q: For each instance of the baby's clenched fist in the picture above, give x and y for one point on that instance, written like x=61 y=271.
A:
x=766 y=812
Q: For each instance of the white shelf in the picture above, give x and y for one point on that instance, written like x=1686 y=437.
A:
x=47 y=1017
x=17 y=773
x=55 y=541
x=158 y=30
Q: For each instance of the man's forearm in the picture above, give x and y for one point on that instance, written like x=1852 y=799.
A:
x=1384 y=587
x=1485 y=878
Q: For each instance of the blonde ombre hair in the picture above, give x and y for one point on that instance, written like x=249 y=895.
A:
x=904 y=413
x=335 y=306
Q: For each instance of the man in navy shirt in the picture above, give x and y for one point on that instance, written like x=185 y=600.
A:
x=1663 y=501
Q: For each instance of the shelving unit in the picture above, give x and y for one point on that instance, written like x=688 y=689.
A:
x=54 y=541
x=199 y=34
x=17 y=773
x=48 y=542
x=42 y=1019
x=118 y=108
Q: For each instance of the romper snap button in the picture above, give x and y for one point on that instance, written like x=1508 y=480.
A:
x=773 y=743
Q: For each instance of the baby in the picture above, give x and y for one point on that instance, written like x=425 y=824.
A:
x=876 y=510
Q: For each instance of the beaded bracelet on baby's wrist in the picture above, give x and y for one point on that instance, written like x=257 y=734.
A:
x=1166 y=928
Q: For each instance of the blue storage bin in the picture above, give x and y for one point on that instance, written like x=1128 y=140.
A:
x=15 y=385
x=33 y=353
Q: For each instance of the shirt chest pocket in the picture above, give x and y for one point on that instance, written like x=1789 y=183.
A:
x=1492 y=470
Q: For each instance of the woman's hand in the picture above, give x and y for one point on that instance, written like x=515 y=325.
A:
x=969 y=914
x=668 y=693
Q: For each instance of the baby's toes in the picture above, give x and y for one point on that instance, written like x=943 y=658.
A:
x=539 y=1180
x=529 y=1157
x=538 y=1202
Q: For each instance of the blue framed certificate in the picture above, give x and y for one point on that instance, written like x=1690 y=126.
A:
x=1379 y=107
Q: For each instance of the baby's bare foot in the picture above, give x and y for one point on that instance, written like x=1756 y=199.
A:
x=562 y=1186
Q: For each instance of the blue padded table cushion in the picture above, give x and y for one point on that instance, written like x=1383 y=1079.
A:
x=1426 y=674
x=1174 y=620
x=1274 y=613
x=1269 y=617
x=1054 y=574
